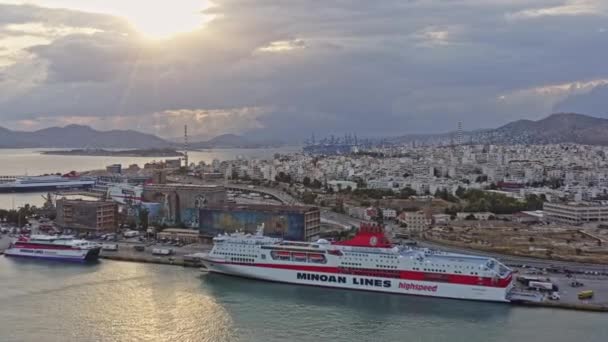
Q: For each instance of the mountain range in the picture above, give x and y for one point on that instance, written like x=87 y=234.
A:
x=78 y=136
x=556 y=128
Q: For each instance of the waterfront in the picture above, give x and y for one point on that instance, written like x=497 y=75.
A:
x=119 y=301
x=32 y=162
x=15 y=162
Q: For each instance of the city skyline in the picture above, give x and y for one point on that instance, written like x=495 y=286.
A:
x=286 y=70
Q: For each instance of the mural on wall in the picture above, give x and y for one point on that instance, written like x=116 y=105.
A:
x=190 y=217
x=286 y=225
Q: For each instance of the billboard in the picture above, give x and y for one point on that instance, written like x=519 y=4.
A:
x=287 y=225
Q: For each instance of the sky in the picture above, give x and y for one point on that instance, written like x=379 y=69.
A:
x=284 y=69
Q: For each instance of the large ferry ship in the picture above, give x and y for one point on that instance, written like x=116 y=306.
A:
x=64 y=248
x=366 y=262
x=44 y=183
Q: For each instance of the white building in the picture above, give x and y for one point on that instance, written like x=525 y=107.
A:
x=415 y=221
x=389 y=214
x=576 y=212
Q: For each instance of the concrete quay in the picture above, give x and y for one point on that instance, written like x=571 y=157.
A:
x=126 y=252
x=569 y=299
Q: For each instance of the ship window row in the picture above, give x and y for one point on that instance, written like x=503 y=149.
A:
x=371 y=259
x=434 y=270
x=386 y=266
x=370 y=272
x=351 y=263
x=236 y=254
x=388 y=256
x=357 y=254
x=242 y=260
x=32 y=251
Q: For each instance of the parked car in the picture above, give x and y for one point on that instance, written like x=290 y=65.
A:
x=111 y=247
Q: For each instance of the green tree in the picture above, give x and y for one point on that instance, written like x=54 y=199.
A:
x=308 y=197
x=407 y=192
x=144 y=218
x=306 y=181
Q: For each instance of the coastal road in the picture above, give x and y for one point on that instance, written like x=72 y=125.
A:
x=339 y=219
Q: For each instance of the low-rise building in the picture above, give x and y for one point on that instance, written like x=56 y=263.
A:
x=441 y=219
x=178 y=234
x=481 y=216
x=82 y=216
x=389 y=214
x=576 y=212
x=415 y=221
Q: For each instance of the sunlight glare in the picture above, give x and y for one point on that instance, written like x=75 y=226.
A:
x=155 y=19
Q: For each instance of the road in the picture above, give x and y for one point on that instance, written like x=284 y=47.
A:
x=339 y=219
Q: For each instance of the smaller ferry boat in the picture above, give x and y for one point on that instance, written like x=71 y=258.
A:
x=61 y=247
x=46 y=183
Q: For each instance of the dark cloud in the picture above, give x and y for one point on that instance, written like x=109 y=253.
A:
x=385 y=67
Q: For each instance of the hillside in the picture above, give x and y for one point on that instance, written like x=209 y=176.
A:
x=77 y=136
x=235 y=141
x=556 y=128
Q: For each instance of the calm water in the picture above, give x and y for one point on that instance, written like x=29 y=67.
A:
x=15 y=162
x=115 y=301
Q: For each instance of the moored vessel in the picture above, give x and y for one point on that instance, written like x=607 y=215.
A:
x=369 y=261
x=45 y=183
x=64 y=248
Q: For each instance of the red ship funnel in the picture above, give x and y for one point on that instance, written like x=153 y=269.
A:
x=368 y=235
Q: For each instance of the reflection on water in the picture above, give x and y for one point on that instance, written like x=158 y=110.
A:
x=119 y=301
x=366 y=303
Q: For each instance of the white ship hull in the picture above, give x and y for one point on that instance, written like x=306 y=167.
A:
x=354 y=282
x=54 y=254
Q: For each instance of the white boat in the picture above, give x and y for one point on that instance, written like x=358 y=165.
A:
x=366 y=262
x=44 y=183
x=64 y=248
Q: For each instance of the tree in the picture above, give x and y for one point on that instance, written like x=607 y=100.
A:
x=143 y=218
x=308 y=197
x=306 y=181
x=460 y=191
x=407 y=192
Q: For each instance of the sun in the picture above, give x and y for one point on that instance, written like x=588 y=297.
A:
x=160 y=19
x=154 y=19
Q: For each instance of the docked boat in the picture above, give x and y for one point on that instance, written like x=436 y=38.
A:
x=46 y=183
x=64 y=248
x=366 y=262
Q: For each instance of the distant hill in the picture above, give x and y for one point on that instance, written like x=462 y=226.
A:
x=556 y=128
x=235 y=141
x=78 y=136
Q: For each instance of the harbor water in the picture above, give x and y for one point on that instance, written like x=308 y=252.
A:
x=120 y=301
x=18 y=162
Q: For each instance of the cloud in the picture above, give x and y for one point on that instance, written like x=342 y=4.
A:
x=286 y=69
